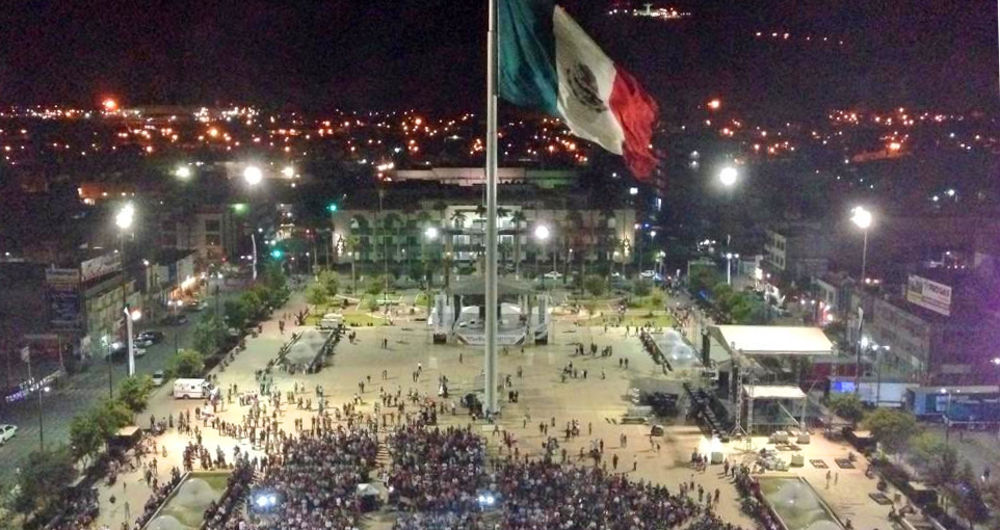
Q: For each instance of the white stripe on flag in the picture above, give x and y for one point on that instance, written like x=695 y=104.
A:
x=586 y=77
x=25 y=354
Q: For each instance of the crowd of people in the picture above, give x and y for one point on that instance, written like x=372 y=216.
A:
x=440 y=478
x=313 y=479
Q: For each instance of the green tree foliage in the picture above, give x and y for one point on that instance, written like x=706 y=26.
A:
x=892 y=428
x=236 y=314
x=209 y=334
x=936 y=460
x=316 y=295
x=376 y=284
x=595 y=285
x=85 y=436
x=186 y=363
x=847 y=406
x=275 y=283
x=656 y=299
x=44 y=475
x=134 y=392
x=330 y=282
x=642 y=287
x=111 y=415
x=702 y=279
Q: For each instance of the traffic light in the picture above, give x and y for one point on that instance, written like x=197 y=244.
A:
x=332 y=207
x=277 y=253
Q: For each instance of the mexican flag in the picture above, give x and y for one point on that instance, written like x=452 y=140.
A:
x=549 y=63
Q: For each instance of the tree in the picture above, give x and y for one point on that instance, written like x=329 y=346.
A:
x=316 y=295
x=847 y=406
x=44 y=475
x=209 y=334
x=111 y=415
x=134 y=392
x=376 y=284
x=85 y=436
x=937 y=460
x=892 y=428
x=236 y=313
x=330 y=282
x=186 y=363
x=642 y=287
x=595 y=285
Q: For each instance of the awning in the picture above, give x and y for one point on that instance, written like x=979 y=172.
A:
x=476 y=285
x=773 y=392
x=774 y=340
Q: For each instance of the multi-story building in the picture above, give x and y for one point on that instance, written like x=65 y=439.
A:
x=210 y=231
x=936 y=329
x=416 y=225
x=797 y=251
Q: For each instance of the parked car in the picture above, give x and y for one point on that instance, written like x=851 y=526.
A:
x=159 y=377
x=553 y=275
x=152 y=335
x=141 y=342
x=7 y=432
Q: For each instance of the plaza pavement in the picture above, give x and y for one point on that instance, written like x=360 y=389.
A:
x=594 y=402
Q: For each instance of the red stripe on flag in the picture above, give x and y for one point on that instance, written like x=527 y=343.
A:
x=636 y=111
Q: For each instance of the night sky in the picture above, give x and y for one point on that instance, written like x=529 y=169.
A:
x=429 y=53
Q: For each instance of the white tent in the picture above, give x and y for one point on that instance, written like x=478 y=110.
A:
x=774 y=340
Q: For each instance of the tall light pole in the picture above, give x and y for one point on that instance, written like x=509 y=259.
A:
x=131 y=315
x=728 y=177
x=542 y=234
x=253 y=177
x=729 y=266
x=124 y=219
x=862 y=218
x=430 y=234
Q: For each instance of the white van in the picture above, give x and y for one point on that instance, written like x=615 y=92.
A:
x=191 y=388
x=331 y=321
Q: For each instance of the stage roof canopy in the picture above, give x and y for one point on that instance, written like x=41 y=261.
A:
x=773 y=392
x=476 y=285
x=779 y=341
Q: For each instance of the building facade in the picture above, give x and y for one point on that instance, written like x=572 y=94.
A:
x=432 y=231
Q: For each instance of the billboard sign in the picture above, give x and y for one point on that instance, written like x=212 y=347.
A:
x=63 y=296
x=100 y=266
x=929 y=294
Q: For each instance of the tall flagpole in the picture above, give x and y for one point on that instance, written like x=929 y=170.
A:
x=491 y=379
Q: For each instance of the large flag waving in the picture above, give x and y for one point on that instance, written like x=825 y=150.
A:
x=549 y=63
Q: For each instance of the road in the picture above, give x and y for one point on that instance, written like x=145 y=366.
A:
x=81 y=391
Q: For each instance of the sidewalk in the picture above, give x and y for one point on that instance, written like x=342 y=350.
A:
x=130 y=490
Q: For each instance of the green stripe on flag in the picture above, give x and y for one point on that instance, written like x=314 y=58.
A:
x=527 y=66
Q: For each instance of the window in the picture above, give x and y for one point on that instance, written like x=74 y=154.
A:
x=212 y=225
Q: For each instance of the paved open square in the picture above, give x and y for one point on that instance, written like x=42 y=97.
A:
x=401 y=359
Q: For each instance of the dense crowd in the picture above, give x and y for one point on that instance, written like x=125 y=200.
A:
x=313 y=478
x=441 y=479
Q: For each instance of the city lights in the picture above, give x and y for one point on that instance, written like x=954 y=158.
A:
x=728 y=176
x=253 y=175
x=125 y=216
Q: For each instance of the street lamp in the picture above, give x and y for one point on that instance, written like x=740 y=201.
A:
x=728 y=176
x=131 y=315
x=431 y=233
x=862 y=218
x=253 y=175
x=729 y=266
x=183 y=172
x=542 y=234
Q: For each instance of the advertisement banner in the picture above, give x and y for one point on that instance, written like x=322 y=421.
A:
x=63 y=296
x=929 y=294
x=100 y=266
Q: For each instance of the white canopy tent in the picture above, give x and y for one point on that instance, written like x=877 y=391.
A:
x=778 y=395
x=774 y=340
